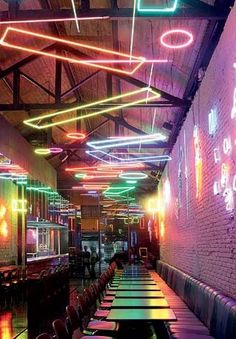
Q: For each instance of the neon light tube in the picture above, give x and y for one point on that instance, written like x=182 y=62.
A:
x=227 y=145
x=37 y=122
x=123 y=161
x=132 y=31
x=55 y=150
x=126 y=141
x=212 y=122
x=93 y=63
x=118 y=190
x=76 y=136
x=131 y=181
x=133 y=175
x=233 y=110
x=156 y=9
x=177 y=31
x=42 y=151
x=75 y=15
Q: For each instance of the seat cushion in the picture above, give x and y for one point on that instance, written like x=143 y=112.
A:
x=105 y=305
x=187 y=336
x=108 y=298
x=101 y=313
x=101 y=325
x=109 y=292
x=189 y=328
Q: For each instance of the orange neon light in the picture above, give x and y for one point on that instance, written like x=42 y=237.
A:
x=3 y=223
x=162 y=229
x=4 y=229
x=93 y=63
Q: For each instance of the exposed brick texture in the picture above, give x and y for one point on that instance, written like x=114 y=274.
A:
x=200 y=234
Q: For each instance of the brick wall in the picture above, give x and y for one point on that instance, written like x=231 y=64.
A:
x=200 y=231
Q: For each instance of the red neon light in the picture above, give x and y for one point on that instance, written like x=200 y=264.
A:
x=177 y=31
x=76 y=136
x=93 y=63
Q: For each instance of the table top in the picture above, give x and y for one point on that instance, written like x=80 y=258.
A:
x=124 y=287
x=141 y=314
x=139 y=294
x=139 y=303
x=133 y=279
x=130 y=282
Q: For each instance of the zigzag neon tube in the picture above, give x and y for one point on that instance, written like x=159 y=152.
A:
x=122 y=161
x=156 y=9
x=126 y=141
x=47 y=38
x=34 y=122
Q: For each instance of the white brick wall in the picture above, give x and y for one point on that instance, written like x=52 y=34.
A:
x=202 y=242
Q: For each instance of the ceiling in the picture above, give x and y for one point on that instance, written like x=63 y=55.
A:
x=32 y=85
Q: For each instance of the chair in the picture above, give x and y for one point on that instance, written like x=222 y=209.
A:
x=97 y=325
x=44 y=336
x=60 y=329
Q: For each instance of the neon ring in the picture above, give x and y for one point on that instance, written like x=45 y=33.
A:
x=176 y=31
x=76 y=136
x=133 y=176
x=55 y=150
x=42 y=151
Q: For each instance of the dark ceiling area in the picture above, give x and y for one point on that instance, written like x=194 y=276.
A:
x=42 y=76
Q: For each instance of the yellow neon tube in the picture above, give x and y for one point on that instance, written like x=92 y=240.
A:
x=34 y=122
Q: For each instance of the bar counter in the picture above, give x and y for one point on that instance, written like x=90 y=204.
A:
x=37 y=264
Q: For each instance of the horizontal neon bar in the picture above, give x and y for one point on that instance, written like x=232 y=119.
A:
x=34 y=122
x=101 y=167
x=155 y=8
x=93 y=63
x=126 y=141
x=123 y=160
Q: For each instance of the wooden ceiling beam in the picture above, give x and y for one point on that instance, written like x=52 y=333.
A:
x=186 y=13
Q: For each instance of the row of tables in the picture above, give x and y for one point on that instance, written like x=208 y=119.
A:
x=138 y=297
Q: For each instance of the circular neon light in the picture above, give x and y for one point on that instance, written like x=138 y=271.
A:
x=177 y=31
x=133 y=176
x=55 y=150
x=76 y=136
x=42 y=151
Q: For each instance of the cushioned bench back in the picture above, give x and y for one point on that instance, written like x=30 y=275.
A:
x=223 y=317
x=214 y=309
